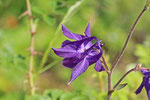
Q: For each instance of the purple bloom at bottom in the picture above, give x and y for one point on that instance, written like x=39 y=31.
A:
x=145 y=83
x=81 y=53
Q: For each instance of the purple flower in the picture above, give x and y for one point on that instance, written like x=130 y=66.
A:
x=145 y=83
x=74 y=36
x=81 y=53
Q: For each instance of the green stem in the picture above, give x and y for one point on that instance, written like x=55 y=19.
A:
x=70 y=12
x=48 y=66
x=31 y=63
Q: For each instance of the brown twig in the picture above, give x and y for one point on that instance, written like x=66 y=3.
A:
x=128 y=39
x=109 y=78
x=105 y=64
x=110 y=91
x=133 y=69
x=109 y=86
x=138 y=67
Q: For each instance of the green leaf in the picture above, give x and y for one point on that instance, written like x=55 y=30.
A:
x=61 y=10
x=45 y=98
x=48 y=66
x=81 y=98
x=34 y=97
x=49 y=20
x=38 y=10
x=54 y=94
x=72 y=10
x=53 y=4
x=67 y=96
x=120 y=86
x=38 y=97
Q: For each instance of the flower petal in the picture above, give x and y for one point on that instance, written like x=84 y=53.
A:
x=65 y=43
x=94 y=55
x=63 y=52
x=147 y=85
x=102 y=44
x=71 y=49
x=141 y=86
x=71 y=35
x=78 y=44
x=80 y=68
x=145 y=72
x=88 y=30
x=148 y=94
x=70 y=62
x=98 y=66
x=88 y=45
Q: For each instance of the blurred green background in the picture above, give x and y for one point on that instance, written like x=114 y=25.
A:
x=111 y=21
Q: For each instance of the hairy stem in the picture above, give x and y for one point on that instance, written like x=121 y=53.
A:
x=128 y=39
x=31 y=62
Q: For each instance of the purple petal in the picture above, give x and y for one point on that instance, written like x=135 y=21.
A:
x=102 y=44
x=70 y=35
x=94 y=56
x=88 y=45
x=88 y=30
x=78 y=44
x=145 y=72
x=98 y=66
x=80 y=68
x=147 y=85
x=141 y=86
x=65 y=43
x=71 y=49
x=62 y=52
x=70 y=62
x=148 y=94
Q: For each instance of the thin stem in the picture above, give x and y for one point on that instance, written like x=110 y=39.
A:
x=109 y=78
x=110 y=91
x=70 y=13
x=109 y=95
x=48 y=66
x=133 y=69
x=138 y=67
x=31 y=81
x=128 y=39
x=32 y=30
x=105 y=64
x=109 y=86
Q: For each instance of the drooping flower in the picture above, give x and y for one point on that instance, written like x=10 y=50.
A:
x=145 y=83
x=81 y=53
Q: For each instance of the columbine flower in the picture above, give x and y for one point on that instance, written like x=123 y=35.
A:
x=80 y=54
x=145 y=83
